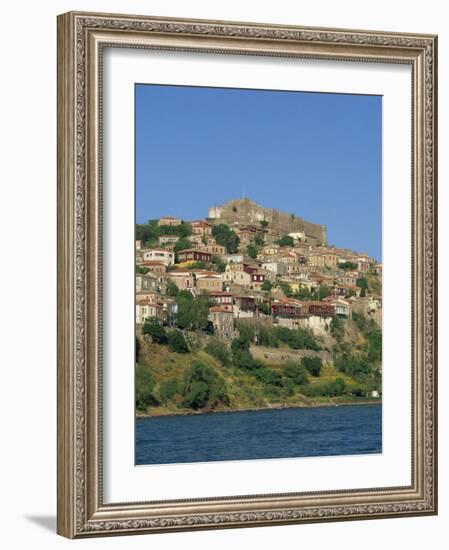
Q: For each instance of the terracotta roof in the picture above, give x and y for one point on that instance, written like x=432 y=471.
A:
x=219 y=309
x=147 y=302
x=205 y=273
x=193 y=250
x=201 y=223
x=180 y=272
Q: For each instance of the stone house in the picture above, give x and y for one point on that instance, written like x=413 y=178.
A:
x=244 y=306
x=146 y=308
x=154 y=267
x=363 y=264
x=214 y=248
x=322 y=259
x=347 y=279
x=223 y=299
x=287 y=257
x=278 y=268
x=223 y=321
x=235 y=273
x=147 y=283
x=246 y=235
x=169 y=220
x=233 y=258
x=194 y=255
x=288 y=308
x=183 y=279
x=295 y=269
x=162 y=255
x=208 y=282
x=270 y=250
x=168 y=239
x=342 y=307
x=201 y=228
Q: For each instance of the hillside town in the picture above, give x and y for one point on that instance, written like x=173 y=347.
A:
x=248 y=262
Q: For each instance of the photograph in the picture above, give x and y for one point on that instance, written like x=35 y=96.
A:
x=258 y=274
x=247 y=273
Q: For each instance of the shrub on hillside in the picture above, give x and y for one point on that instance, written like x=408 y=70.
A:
x=313 y=365
x=153 y=328
x=297 y=373
x=267 y=337
x=203 y=387
x=300 y=338
x=218 y=349
x=177 y=342
x=335 y=388
x=144 y=388
x=169 y=390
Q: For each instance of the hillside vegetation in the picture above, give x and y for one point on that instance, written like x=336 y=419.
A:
x=189 y=371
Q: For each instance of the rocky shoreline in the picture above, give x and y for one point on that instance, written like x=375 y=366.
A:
x=160 y=414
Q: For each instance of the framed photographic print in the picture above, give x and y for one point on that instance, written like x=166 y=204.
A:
x=246 y=274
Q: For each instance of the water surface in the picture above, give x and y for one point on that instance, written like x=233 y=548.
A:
x=279 y=433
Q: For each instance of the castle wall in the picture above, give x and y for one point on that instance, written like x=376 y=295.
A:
x=245 y=211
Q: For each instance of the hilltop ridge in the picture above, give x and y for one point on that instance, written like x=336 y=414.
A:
x=245 y=211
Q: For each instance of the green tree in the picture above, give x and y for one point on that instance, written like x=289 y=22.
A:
x=323 y=291
x=218 y=349
x=144 y=388
x=203 y=386
x=252 y=251
x=148 y=232
x=259 y=240
x=347 y=266
x=171 y=288
x=182 y=244
x=218 y=264
x=193 y=312
x=264 y=223
x=267 y=336
x=169 y=390
x=337 y=328
x=286 y=288
x=183 y=230
x=154 y=328
x=286 y=240
x=142 y=270
x=241 y=356
x=267 y=285
x=297 y=373
x=304 y=294
x=268 y=376
x=264 y=308
x=177 y=342
x=362 y=283
x=226 y=237
x=313 y=365
x=300 y=338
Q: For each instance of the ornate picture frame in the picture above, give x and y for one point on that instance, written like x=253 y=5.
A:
x=82 y=38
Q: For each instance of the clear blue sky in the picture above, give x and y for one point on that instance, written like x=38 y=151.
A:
x=313 y=154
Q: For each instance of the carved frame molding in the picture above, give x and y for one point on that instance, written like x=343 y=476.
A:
x=81 y=39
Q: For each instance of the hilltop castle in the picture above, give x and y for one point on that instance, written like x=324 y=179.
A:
x=247 y=212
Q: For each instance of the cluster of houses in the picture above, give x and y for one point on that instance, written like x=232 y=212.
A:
x=247 y=287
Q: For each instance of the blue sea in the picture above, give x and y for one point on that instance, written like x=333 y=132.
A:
x=246 y=435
